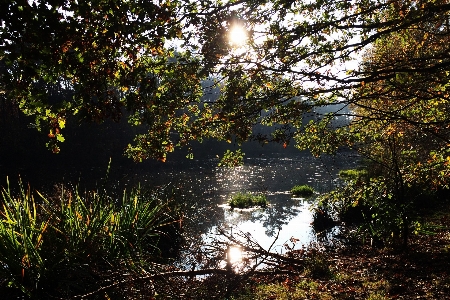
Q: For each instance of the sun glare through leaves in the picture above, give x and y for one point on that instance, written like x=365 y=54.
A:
x=237 y=36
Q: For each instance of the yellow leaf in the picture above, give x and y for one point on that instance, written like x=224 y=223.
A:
x=39 y=239
x=61 y=123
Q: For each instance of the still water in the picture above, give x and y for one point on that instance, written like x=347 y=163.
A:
x=203 y=190
x=200 y=188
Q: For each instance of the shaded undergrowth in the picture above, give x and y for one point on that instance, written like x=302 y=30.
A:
x=76 y=242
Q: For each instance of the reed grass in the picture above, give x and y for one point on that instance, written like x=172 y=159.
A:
x=54 y=243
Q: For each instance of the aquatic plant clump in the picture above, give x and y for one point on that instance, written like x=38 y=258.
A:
x=302 y=190
x=246 y=200
x=353 y=174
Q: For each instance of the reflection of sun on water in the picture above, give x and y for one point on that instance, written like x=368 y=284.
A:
x=234 y=254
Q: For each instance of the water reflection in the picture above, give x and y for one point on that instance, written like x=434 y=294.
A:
x=234 y=254
x=205 y=189
x=281 y=222
x=201 y=191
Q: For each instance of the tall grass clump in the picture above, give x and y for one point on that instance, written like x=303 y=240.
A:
x=22 y=233
x=67 y=245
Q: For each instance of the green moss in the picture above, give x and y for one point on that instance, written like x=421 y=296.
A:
x=302 y=190
x=245 y=200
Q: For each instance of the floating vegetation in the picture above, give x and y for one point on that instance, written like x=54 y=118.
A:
x=353 y=174
x=246 y=200
x=302 y=190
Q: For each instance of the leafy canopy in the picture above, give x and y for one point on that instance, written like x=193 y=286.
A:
x=169 y=66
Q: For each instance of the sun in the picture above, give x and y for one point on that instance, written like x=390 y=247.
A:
x=237 y=35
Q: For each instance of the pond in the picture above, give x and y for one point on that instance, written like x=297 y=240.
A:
x=199 y=186
x=203 y=189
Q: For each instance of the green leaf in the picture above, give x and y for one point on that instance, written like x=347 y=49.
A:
x=60 y=138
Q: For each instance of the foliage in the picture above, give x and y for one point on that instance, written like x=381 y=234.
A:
x=169 y=67
x=400 y=127
x=45 y=240
x=159 y=63
x=375 y=210
x=367 y=75
x=302 y=190
x=232 y=159
x=93 y=60
x=245 y=200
